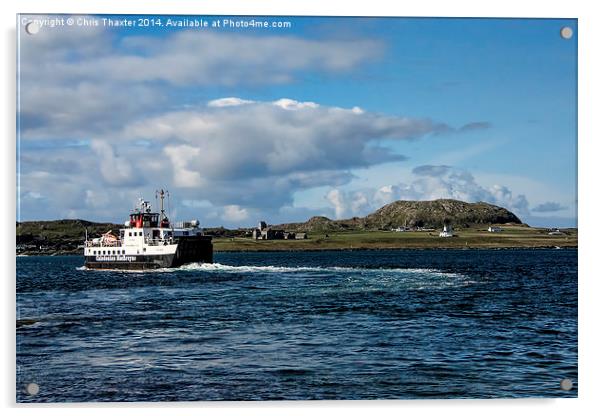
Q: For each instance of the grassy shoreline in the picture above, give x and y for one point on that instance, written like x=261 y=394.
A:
x=468 y=238
x=407 y=242
x=513 y=237
x=75 y=254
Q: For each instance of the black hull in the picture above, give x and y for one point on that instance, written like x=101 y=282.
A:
x=190 y=250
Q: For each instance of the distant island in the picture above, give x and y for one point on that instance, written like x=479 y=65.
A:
x=400 y=224
x=414 y=215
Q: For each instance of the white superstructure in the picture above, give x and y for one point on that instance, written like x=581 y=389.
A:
x=148 y=237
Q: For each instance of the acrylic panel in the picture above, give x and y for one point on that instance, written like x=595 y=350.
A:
x=295 y=208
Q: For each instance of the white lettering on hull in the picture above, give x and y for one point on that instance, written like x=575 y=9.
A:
x=115 y=258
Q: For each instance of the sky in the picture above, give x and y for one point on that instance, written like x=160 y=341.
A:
x=325 y=116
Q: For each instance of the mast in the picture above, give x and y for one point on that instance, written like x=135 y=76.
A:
x=161 y=194
x=162 y=217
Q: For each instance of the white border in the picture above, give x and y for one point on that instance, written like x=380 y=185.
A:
x=590 y=72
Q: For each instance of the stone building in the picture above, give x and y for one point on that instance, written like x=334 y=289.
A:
x=264 y=232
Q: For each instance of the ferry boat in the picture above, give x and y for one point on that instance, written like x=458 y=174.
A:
x=149 y=241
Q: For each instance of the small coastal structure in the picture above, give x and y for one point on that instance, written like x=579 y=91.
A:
x=494 y=229
x=264 y=232
x=448 y=231
x=555 y=232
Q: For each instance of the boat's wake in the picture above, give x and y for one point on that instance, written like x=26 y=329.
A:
x=411 y=278
x=225 y=268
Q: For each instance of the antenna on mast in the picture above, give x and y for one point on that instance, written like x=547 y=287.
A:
x=163 y=219
x=161 y=194
x=168 y=203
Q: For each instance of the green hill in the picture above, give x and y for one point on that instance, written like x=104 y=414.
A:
x=435 y=213
x=59 y=235
x=428 y=214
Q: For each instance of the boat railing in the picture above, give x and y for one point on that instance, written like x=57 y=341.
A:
x=158 y=241
x=147 y=241
x=90 y=243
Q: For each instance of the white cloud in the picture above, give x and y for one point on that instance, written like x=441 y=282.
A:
x=85 y=82
x=504 y=196
x=81 y=110
x=182 y=157
x=289 y=104
x=206 y=58
x=429 y=183
x=539 y=192
x=115 y=170
x=189 y=57
x=115 y=95
x=261 y=139
x=253 y=155
x=234 y=213
x=33 y=195
x=337 y=199
x=258 y=154
x=352 y=203
x=386 y=194
x=228 y=102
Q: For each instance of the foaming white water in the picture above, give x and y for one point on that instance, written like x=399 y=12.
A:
x=226 y=268
x=218 y=267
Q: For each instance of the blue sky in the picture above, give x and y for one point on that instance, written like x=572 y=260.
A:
x=333 y=116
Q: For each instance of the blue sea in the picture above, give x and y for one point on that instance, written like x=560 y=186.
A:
x=416 y=324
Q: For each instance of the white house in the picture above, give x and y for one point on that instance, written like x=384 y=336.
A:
x=447 y=231
x=493 y=229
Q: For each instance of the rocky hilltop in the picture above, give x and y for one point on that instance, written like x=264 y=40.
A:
x=428 y=214
x=436 y=213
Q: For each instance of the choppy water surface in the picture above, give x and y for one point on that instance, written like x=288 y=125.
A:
x=309 y=325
